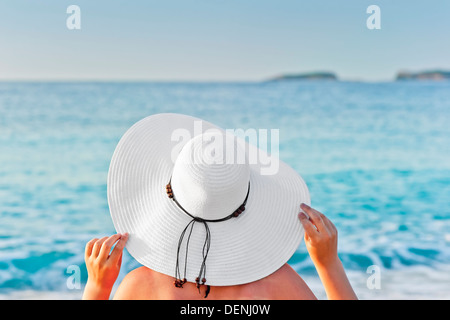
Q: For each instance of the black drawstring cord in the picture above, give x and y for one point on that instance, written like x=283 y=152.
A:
x=206 y=245
x=179 y=283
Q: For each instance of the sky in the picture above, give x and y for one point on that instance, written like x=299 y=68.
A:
x=218 y=40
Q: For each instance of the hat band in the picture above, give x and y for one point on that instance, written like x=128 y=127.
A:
x=178 y=281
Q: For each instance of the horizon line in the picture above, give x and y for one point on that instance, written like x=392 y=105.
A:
x=156 y=80
x=199 y=81
x=193 y=80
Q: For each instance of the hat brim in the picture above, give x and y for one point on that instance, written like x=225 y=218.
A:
x=242 y=250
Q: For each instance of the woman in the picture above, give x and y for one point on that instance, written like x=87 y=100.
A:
x=203 y=214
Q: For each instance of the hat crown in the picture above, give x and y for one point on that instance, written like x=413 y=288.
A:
x=208 y=180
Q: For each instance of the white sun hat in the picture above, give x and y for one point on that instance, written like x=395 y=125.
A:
x=194 y=210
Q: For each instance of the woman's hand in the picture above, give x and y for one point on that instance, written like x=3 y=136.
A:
x=321 y=242
x=103 y=266
x=320 y=236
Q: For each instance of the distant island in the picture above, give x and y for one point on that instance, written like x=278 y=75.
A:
x=434 y=75
x=429 y=75
x=306 y=76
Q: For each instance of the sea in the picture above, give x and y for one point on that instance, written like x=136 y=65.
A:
x=375 y=157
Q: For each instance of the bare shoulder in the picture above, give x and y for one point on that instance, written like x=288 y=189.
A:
x=136 y=284
x=144 y=283
x=295 y=286
x=285 y=284
x=287 y=272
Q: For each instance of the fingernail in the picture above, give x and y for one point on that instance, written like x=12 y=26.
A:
x=304 y=205
x=301 y=215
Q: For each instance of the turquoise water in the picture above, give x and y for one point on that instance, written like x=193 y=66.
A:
x=376 y=157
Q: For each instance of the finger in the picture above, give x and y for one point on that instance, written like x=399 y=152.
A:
x=310 y=229
x=314 y=216
x=330 y=226
x=117 y=251
x=88 y=249
x=97 y=246
x=107 y=245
